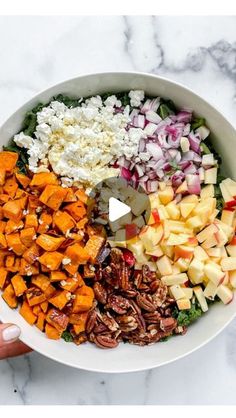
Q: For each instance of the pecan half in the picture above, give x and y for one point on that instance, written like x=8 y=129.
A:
x=100 y=293
x=127 y=323
x=124 y=277
x=110 y=322
x=118 y=304
x=116 y=256
x=91 y=321
x=100 y=329
x=105 y=341
x=152 y=317
x=168 y=324
x=145 y=304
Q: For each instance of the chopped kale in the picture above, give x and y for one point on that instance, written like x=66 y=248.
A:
x=30 y=121
x=123 y=97
x=68 y=101
x=197 y=122
x=164 y=339
x=186 y=317
x=67 y=337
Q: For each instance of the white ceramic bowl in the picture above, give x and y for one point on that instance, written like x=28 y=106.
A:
x=126 y=357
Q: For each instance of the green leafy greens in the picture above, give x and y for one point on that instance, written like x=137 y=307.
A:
x=186 y=317
x=67 y=337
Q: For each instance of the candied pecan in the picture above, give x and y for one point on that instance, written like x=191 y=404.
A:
x=152 y=317
x=160 y=295
x=127 y=323
x=130 y=293
x=145 y=304
x=100 y=329
x=138 y=316
x=91 y=321
x=124 y=277
x=110 y=322
x=98 y=274
x=100 y=293
x=148 y=275
x=138 y=280
x=80 y=339
x=118 y=304
x=154 y=285
x=105 y=341
x=168 y=324
x=116 y=256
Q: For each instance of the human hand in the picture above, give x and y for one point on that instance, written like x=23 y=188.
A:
x=10 y=346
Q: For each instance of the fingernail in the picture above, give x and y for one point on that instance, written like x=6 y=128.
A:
x=11 y=333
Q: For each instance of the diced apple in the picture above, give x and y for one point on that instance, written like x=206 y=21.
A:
x=139 y=203
x=151 y=236
x=225 y=294
x=156 y=252
x=173 y=210
x=228 y=230
x=223 y=252
x=228 y=264
x=210 y=291
x=177 y=239
x=209 y=242
x=227 y=216
x=182 y=264
x=207 y=191
x=163 y=213
x=200 y=253
x=154 y=200
x=194 y=222
x=184 y=251
x=230 y=185
x=232 y=278
x=176 y=226
x=226 y=278
x=214 y=252
x=208 y=159
x=221 y=238
x=188 y=292
x=176 y=292
x=183 y=304
x=186 y=208
x=166 y=229
x=166 y=195
x=196 y=271
x=184 y=144
x=201 y=298
x=214 y=214
x=137 y=248
x=231 y=250
x=211 y=176
x=176 y=269
x=203 y=131
x=225 y=193
x=164 y=266
x=162 y=186
x=182 y=188
x=191 y=198
x=213 y=273
x=174 y=279
x=206 y=232
x=167 y=250
x=152 y=265
x=193 y=242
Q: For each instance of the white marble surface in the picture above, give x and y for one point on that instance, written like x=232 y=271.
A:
x=200 y=52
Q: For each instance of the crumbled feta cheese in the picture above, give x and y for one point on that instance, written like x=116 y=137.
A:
x=39 y=209
x=66 y=260
x=23 y=140
x=63 y=283
x=25 y=212
x=136 y=97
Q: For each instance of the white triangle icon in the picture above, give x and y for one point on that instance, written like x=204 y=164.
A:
x=117 y=209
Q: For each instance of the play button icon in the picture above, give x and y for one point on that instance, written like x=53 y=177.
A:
x=117 y=209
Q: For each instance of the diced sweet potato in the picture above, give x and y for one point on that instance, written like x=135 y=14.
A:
x=57 y=319
x=8 y=160
x=33 y=203
x=34 y=296
x=18 y=284
x=16 y=266
x=72 y=283
x=53 y=196
x=49 y=242
x=36 y=309
x=27 y=313
x=31 y=254
x=3 y=242
x=52 y=332
x=82 y=196
x=31 y=221
x=93 y=246
x=44 y=306
x=60 y=299
x=51 y=260
x=46 y=218
x=41 y=180
x=78 y=319
x=12 y=226
x=57 y=276
x=10 y=260
x=41 y=321
x=22 y=179
x=76 y=210
x=2 y=176
x=27 y=236
x=89 y=271
x=50 y=292
x=27 y=269
x=3 y=277
x=81 y=224
x=4 y=198
x=77 y=254
x=10 y=187
x=63 y=221
x=41 y=281
x=82 y=303
x=14 y=242
x=9 y=296
x=85 y=291
x=13 y=210
x=2 y=226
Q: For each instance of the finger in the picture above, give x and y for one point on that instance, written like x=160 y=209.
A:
x=9 y=344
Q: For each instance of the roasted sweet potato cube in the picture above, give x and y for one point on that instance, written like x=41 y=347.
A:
x=2 y=226
x=15 y=268
x=46 y=218
x=41 y=180
x=57 y=319
x=49 y=242
x=3 y=242
x=36 y=309
x=57 y=276
x=9 y=296
x=31 y=221
x=51 y=260
x=70 y=196
x=76 y=210
x=27 y=269
x=32 y=253
x=52 y=332
x=89 y=271
x=41 y=321
x=72 y=268
x=10 y=187
x=81 y=224
x=22 y=179
x=93 y=246
x=82 y=196
x=77 y=254
x=63 y=221
x=60 y=299
x=8 y=160
x=18 y=284
x=53 y=196
x=3 y=276
x=27 y=236
x=44 y=306
x=12 y=210
x=14 y=242
x=82 y=303
x=50 y=292
x=78 y=319
x=4 y=198
x=13 y=226
x=72 y=283
x=41 y=281
x=10 y=260
x=85 y=291
x=34 y=296
x=2 y=176
x=33 y=203
x=27 y=313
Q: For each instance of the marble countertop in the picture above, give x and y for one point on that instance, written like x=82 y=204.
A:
x=199 y=52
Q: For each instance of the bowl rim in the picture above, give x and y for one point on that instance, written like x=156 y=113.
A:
x=194 y=94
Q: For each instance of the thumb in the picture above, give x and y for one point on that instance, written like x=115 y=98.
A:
x=10 y=346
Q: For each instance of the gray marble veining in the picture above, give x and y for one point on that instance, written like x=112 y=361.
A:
x=200 y=52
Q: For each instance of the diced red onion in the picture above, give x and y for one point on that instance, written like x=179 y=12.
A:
x=194 y=142
x=191 y=169
x=152 y=186
x=146 y=106
x=139 y=170
x=126 y=174
x=177 y=178
x=152 y=117
x=183 y=116
x=155 y=103
x=150 y=128
x=154 y=150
